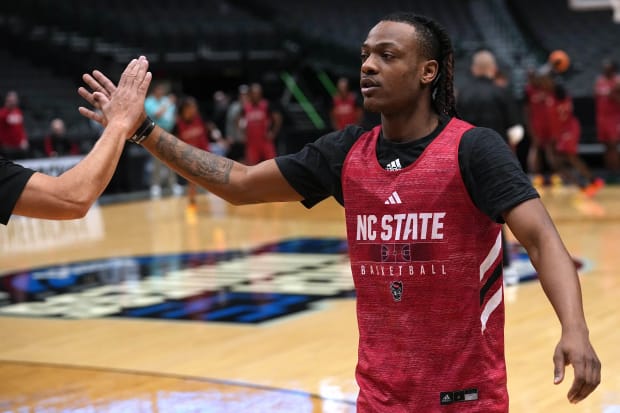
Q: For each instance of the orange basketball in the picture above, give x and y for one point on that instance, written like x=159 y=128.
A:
x=559 y=61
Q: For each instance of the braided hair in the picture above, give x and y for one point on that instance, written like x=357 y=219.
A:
x=434 y=44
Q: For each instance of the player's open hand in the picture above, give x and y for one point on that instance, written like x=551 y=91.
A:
x=575 y=348
x=123 y=104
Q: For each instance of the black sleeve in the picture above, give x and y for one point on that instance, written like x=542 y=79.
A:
x=315 y=171
x=13 y=179
x=492 y=174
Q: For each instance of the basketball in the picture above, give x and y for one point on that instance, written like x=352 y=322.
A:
x=559 y=61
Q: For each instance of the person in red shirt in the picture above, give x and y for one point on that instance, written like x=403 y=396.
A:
x=56 y=142
x=539 y=112
x=192 y=130
x=13 y=138
x=566 y=134
x=423 y=232
x=261 y=125
x=345 y=110
x=607 y=95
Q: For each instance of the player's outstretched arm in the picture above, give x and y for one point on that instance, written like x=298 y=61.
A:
x=232 y=181
x=533 y=227
x=71 y=194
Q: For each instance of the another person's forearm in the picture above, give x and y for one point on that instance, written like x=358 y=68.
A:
x=71 y=195
x=203 y=168
x=232 y=181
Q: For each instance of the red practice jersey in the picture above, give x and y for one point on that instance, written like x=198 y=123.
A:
x=540 y=105
x=566 y=127
x=258 y=121
x=344 y=111
x=607 y=109
x=194 y=132
x=428 y=274
x=12 y=132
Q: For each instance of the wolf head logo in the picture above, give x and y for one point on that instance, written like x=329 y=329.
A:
x=396 y=287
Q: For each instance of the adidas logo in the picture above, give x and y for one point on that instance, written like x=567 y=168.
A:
x=446 y=398
x=393 y=199
x=394 y=165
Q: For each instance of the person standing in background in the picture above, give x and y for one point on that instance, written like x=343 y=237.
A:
x=345 y=108
x=13 y=138
x=160 y=106
x=191 y=129
x=483 y=103
x=566 y=134
x=539 y=109
x=56 y=142
x=262 y=126
x=607 y=95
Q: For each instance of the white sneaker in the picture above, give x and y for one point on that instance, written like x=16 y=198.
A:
x=155 y=191
x=511 y=275
x=177 y=190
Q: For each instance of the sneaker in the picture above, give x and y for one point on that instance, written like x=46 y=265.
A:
x=594 y=187
x=556 y=181
x=177 y=190
x=155 y=191
x=538 y=181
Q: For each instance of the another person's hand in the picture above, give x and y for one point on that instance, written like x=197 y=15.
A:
x=123 y=104
x=575 y=349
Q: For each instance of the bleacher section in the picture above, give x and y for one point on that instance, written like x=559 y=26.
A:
x=43 y=96
x=587 y=36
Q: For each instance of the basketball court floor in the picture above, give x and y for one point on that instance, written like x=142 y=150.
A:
x=144 y=307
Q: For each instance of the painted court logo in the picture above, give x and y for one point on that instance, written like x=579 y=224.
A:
x=396 y=287
x=240 y=286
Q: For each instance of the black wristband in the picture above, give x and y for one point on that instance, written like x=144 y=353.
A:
x=143 y=131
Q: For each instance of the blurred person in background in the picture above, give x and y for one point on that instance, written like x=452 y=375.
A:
x=262 y=126
x=566 y=134
x=191 y=129
x=539 y=112
x=56 y=142
x=13 y=138
x=345 y=107
x=160 y=106
x=483 y=103
x=607 y=98
x=234 y=128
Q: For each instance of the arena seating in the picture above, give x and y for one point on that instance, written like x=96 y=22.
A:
x=587 y=36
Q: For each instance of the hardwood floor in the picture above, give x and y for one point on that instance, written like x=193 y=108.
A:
x=300 y=363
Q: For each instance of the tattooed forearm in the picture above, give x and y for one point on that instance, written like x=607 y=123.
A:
x=188 y=160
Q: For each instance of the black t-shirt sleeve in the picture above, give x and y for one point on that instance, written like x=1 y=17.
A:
x=13 y=179
x=492 y=174
x=315 y=171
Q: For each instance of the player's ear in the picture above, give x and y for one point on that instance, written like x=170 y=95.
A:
x=430 y=69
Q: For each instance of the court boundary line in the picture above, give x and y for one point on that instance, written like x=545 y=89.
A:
x=189 y=377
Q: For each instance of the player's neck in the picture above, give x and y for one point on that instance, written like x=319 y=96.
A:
x=410 y=125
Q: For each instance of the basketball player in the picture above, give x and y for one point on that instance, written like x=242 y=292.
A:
x=423 y=232
x=261 y=127
x=607 y=94
x=29 y=193
x=539 y=107
x=566 y=134
x=345 y=110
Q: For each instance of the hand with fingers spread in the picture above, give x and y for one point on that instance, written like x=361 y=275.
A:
x=575 y=348
x=123 y=104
